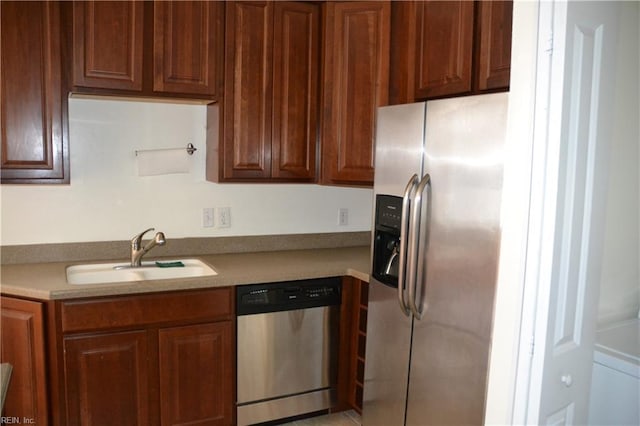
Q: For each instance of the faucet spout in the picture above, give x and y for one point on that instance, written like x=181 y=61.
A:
x=137 y=251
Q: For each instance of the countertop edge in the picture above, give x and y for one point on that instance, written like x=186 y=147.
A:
x=47 y=281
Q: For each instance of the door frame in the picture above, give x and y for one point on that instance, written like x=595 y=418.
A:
x=533 y=158
x=528 y=217
x=514 y=319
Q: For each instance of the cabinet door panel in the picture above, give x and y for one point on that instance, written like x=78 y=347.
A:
x=246 y=148
x=107 y=379
x=22 y=342
x=295 y=89
x=444 y=40
x=494 y=60
x=356 y=70
x=32 y=105
x=107 y=44
x=187 y=45
x=196 y=377
x=403 y=56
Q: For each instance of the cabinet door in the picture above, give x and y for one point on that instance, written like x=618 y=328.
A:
x=196 y=374
x=107 y=379
x=494 y=54
x=32 y=106
x=22 y=341
x=245 y=149
x=296 y=62
x=403 y=56
x=444 y=37
x=356 y=67
x=187 y=47
x=108 y=44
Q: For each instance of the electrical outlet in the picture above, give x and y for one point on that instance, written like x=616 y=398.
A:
x=208 y=217
x=343 y=216
x=224 y=217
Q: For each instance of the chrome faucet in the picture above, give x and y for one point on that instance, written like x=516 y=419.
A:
x=136 y=242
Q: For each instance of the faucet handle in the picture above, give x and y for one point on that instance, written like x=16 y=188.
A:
x=135 y=241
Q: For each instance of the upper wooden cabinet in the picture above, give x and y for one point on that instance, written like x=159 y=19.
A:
x=107 y=44
x=355 y=78
x=33 y=103
x=444 y=37
x=187 y=47
x=494 y=44
x=269 y=115
x=149 y=49
x=449 y=48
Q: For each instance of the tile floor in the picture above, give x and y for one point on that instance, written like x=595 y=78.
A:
x=345 y=418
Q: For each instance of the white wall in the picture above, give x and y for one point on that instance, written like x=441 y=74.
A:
x=107 y=200
x=620 y=285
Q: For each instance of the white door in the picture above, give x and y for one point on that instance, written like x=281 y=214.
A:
x=578 y=126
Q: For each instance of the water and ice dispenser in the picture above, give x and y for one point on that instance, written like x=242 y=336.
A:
x=386 y=241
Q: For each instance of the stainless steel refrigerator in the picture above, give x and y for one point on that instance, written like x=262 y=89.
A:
x=438 y=188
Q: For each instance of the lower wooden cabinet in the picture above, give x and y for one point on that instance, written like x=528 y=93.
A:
x=152 y=359
x=22 y=341
x=156 y=359
x=196 y=374
x=353 y=340
x=107 y=379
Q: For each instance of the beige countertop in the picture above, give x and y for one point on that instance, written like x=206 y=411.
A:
x=47 y=281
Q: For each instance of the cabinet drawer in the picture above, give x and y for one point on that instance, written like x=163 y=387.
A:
x=147 y=309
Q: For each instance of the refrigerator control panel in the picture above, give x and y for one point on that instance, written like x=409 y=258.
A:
x=388 y=211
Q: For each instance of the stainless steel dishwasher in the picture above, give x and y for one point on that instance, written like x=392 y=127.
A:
x=287 y=337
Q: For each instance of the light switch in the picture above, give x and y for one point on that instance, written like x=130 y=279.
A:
x=224 y=217
x=208 y=217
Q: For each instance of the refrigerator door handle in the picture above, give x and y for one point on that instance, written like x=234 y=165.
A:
x=419 y=263
x=404 y=224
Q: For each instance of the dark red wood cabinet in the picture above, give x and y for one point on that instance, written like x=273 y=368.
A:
x=494 y=22
x=33 y=102
x=160 y=48
x=444 y=44
x=279 y=122
x=449 y=48
x=108 y=44
x=22 y=342
x=353 y=342
x=355 y=83
x=268 y=124
x=160 y=358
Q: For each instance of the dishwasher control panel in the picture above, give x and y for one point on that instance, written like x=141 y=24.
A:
x=289 y=295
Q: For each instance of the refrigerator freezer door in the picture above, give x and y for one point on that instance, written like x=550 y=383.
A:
x=399 y=155
x=399 y=146
x=450 y=344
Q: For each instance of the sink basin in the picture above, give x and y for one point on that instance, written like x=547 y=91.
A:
x=100 y=273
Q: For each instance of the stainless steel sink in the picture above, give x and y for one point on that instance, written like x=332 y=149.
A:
x=100 y=273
